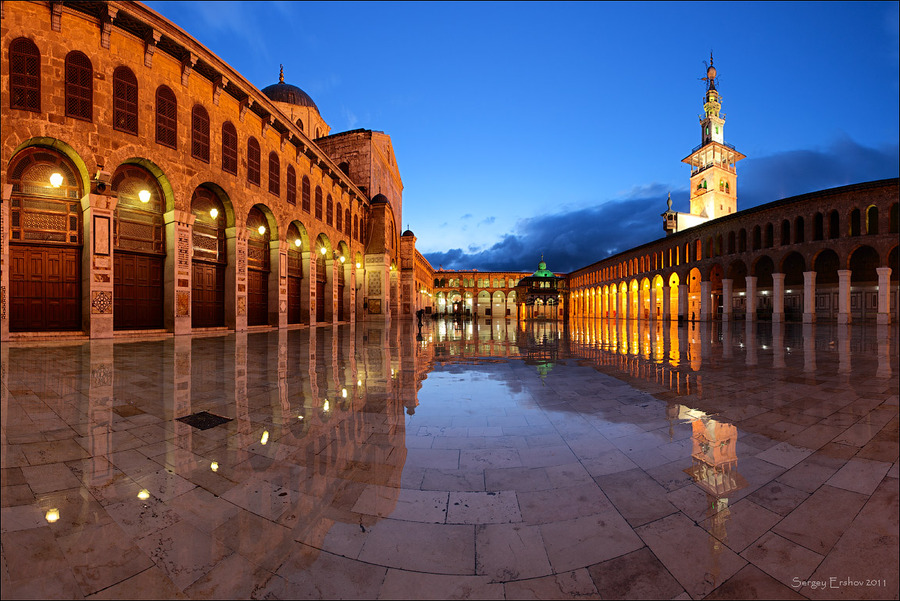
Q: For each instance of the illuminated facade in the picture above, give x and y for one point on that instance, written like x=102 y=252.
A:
x=147 y=186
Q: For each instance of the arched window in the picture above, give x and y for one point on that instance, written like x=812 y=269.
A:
x=125 y=101
x=305 y=194
x=819 y=227
x=742 y=241
x=799 y=230
x=345 y=167
x=731 y=243
x=785 y=232
x=318 y=212
x=291 y=181
x=834 y=223
x=339 y=218
x=253 y=161
x=770 y=235
x=347 y=229
x=274 y=174
x=854 y=222
x=356 y=228
x=166 y=117
x=721 y=185
x=872 y=220
x=894 y=226
x=300 y=124
x=24 y=75
x=329 y=210
x=200 y=133
x=229 y=148
x=79 y=86
x=757 y=237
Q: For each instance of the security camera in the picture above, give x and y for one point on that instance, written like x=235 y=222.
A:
x=103 y=177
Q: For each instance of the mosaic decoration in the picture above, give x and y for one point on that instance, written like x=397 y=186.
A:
x=101 y=235
x=282 y=307
x=2 y=302
x=374 y=284
x=184 y=251
x=183 y=303
x=242 y=260
x=101 y=303
x=242 y=305
x=102 y=278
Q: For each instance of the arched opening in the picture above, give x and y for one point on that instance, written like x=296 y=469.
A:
x=343 y=270
x=694 y=294
x=785 y=232
x=737 y=273
x=742 y=244
x=872 y=220
x=645 y=298
x=484 y=303
x=826 y=265
x=855 y=222
x=863 y=264
x=297 y=245
x=209 y=260
x=799 y=230
x=757 y=237
x=674 y=282
x=140 y=250
x=45 y=242
x=716 y=274
x=793 y=267
x=498 y=304
x=834 y=225
x=770 y=235
x=819 y=227
x=258 y=267
x=323 y=305
x=894 y=226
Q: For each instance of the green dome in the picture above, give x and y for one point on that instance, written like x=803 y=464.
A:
x=542 y=271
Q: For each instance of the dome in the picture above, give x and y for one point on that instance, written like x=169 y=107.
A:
x=543 y=272
x=285 y=92
x=407 y=233
x=379 y=199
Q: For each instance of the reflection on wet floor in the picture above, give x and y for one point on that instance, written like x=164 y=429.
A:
x=490 y=459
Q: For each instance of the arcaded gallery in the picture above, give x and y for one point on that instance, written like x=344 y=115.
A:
x=229 y=372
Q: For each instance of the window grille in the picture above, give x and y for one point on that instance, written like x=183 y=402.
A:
x=291 y=192
x=253 y=161
x=305 y=199
x=24 y=75
x=339 y=222
x=318 y=203
x=329 y=211
x=125 y=101
x=274 y=174
x=200 y=133
x=229 y=148
x=166 y=117
x=79 y=86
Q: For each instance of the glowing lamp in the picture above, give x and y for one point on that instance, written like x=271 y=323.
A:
x=265 y=437
x=144 y=494
x=325 y=405
x=214 y=213
x=297 y=242
x=359 y=382
x=56 y=180
x=358 y=265
x=324 y=251
x=261 y=229
x=344 y=392
x=214 y=466
x=343 y=259
x=52 y=515
x=144 y=196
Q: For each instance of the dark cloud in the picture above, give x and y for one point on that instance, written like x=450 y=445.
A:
x=579 y=237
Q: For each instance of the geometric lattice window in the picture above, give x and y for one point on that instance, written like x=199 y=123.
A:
x=253 y=160
x=45 y=206
x=166 y=117
x=209 y=226
x=339 y=222
x=274 y=174
x=125 y=101
x=229 y=148
x=291 y=185
x=305 y=194
x=200 y=133
x=139 y=225
x=24 y=75
x=257 y=242
x=329 y=210
x=79 y=86
x=318 y=203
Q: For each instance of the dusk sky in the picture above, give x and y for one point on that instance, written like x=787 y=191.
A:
x=559 y=128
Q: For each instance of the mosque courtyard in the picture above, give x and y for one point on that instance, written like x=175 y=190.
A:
x=519 y=460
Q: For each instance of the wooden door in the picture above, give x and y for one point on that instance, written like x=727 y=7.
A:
x=257 y=297
x=138 y=291
x=207 y=295
x=45 y=288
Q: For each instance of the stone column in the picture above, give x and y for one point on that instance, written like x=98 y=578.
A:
x=331 y=267
x=236 y=279
x=376 y=288
x=727 y=301
x=4 y=262
x=653 y=308
x=682 y=302
x=395 y=292
x=809 y=297
x=843 y=296
x=777 y=297
x=177 y=288
x=278 y=282
x=667 y=302
x=97 y=275
x=884 y=294
x=751 y=298
x=705 y=299
x=843 y=346
x=98 y=360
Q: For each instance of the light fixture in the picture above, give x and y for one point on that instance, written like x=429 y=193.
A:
x=52 y=515
x=358 y=265
x=297 y=242
x=261 y=229
x=214 y=213
x=265 y=437
x=56 y=180
x=343 y=258
x=214 y=466
x=299 y=417
x=144 y=494
x=144 y=196
x=359 y=382
x=344 y=392
x=325 y=406
x=324 y=250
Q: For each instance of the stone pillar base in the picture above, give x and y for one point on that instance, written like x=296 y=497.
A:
x=777 y=317
x=843 y=318
x=809 y=318
x=883 y=318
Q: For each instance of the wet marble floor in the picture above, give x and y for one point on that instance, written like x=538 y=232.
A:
x=490 y=460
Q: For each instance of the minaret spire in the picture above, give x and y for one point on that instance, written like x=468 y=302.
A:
x=281 y=74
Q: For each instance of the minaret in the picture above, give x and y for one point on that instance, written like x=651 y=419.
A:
x=713 y=174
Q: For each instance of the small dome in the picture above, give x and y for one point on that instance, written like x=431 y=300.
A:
x=407 y=233
x=379 y=199
x=285 y=92
x=542 y=271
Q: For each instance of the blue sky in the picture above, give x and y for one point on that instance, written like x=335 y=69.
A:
x=558 y=128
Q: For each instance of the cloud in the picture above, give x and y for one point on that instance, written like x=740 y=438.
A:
x=487 y=221
x=576 y=238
